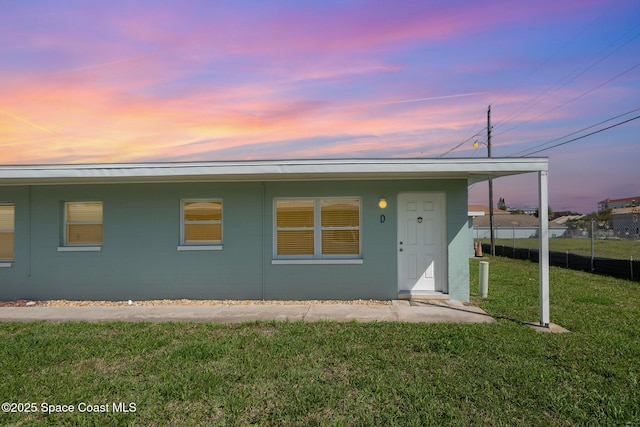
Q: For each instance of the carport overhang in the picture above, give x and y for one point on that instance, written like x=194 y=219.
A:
x=472 y=170
x=541 y=166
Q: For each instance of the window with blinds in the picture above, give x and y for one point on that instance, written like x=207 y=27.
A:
x=295 y=227
x=83 y=223
x=7 y=227
x=340 y=227
x=317 y=228
x=201 y=222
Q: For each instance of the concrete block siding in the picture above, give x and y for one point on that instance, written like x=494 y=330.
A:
x=141 y=228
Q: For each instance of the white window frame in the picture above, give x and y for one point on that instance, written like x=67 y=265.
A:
x=317 y=257
x=9 y=262
x=80 y=247
x=216 y=246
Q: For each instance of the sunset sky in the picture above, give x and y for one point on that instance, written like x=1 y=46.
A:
x=140 y=81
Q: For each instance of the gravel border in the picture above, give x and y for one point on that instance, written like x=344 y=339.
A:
x=72 y=303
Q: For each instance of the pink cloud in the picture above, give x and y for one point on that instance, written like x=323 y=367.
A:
x=107 y=125
x=204 y=30
x=144 y=84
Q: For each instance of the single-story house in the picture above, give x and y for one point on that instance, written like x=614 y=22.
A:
x=483 y=210
x=564 y=219
x=263 y=230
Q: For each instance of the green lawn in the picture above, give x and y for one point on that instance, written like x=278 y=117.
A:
x=618 y=249
x=347 y=373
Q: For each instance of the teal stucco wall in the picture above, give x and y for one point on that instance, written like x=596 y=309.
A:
x=141 y=226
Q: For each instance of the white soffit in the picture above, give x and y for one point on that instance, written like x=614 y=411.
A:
x=473 y=170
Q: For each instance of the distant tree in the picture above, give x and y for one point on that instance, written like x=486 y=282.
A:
x=604 y=218
x=558 y=214
x=549 y=213
x=501 y=204
x=604 y=215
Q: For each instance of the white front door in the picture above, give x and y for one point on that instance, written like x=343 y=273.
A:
x=421 y=248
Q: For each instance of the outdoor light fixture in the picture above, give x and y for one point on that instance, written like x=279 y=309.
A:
x=382 y=203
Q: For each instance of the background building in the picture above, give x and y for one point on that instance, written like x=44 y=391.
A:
x=629 y=202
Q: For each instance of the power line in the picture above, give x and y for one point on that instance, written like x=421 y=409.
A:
x=583 y=136
x=555 y=108
x=572 y=133
x=572 y=99
x=459 y=145
x=546 y=61
x=563 y=104
x=466 y=140
x=566 y=80
x=563 y=81
x=519 y=83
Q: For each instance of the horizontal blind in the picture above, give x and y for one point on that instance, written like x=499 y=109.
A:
x=7 y=232
x=295 y=242
x=6 y=217
x=340 y=213
x=203 y=233
x=84 y=223
x=6 y=246
x=340 y=220
x=203 y=211
x=295 y=227
x=202 y=222
x=294 y=213
x=340 y=242
x=84 y=212
x=84 y=234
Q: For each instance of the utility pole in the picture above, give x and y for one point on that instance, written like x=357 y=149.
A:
x=493 y=239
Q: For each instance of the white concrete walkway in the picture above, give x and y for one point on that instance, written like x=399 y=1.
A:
x=398 y=311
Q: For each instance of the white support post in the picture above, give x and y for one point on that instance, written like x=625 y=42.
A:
x=543 y=216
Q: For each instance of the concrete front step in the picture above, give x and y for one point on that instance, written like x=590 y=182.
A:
x=422 y=295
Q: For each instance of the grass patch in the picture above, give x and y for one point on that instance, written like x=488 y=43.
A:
x=296 y=373
x=611 y=248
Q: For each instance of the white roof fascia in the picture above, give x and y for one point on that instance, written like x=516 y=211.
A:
x=274 y=170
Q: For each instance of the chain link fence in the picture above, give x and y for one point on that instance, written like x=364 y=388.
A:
x=604 y=247
x=623 y=226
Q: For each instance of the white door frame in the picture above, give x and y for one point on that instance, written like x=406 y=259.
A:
x=441 y=262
